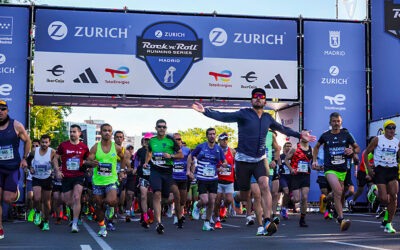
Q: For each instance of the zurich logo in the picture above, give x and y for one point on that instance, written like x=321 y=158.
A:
x=57 y=30
x=169 y=50
x=218 y=37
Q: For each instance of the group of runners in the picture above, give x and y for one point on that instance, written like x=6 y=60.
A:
x=211 y=181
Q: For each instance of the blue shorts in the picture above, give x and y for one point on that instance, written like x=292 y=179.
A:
x=104 y=189
x=284 y=180
x=29 y=186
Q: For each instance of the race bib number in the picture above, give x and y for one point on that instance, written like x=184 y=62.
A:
x=104 y=169
x=337 y=156
x=158 y=159
x=302 y=167
x=6 y=153
x=208 y=171
x=389 y=155
x=179 y=167
x=41 y=169
x=73 y=164
x=228 y=171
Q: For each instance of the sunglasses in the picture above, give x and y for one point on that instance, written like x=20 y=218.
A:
x=3 y=109
x=390 y=127
x=261 y=96
x=178 y=139
x=164 y=127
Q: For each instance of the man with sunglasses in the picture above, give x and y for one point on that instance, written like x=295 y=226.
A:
x=386 y=172
x=161 y=153
x=253 y=125
x=11 y=132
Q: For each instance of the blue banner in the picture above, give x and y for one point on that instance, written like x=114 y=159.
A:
x=334 y=81
x=385 y=42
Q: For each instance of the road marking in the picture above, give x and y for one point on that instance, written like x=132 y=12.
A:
x=263 y=237
x=229 y=225
x=363 y=215
x=308 y=235
x=368 y=221
x=86 y=247
x=355 y=245
x=99 y=240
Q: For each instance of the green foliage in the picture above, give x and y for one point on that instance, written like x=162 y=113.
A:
x=195 y=136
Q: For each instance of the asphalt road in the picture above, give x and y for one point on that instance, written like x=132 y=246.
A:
x=364 y=233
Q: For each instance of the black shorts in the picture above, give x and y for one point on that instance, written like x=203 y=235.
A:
x=182 y=184
x=361 y=178
x=121 y=187
x=322 y=182
x=161 y=182
x=385 y=175
x=57 y=186
x=284 y=181
x=46 y=184
x=68 y=183
x=244 y=171
x=300 y=180
x=130 y=184
x=88 y=184
x=208 y=187
x=348 y=181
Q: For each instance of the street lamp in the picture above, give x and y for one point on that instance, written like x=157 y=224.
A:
x=34 y=124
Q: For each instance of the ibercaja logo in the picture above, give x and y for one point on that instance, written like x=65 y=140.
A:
x=169 y=50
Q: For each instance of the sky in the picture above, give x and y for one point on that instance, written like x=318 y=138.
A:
x=135 y=121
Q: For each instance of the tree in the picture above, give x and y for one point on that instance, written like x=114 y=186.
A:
x=195 y=136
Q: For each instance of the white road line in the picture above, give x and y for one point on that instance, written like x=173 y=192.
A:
x=229 y=225
x=368 y=221
x=363 y=215
x=99 y=240
x=356 y=245
x=86 y=247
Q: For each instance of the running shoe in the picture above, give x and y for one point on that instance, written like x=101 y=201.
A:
x=46 y=226
x=207 y=226
x=31 y=215
x=380 y=213
x=160 y=228
x=260 y=231
x=103 y=231
x=169 y=211
x=322 y=203
x=203 y=213
x=276 y=220
x=1 y=234
x=237 y=204
x=344 y=225
x=351 y=205
x=196 y=211
x=110 y=213
x=270 y=228
x=74 y=228
x=383 y=224
x=218 y=225
x=389 y=229
x=222 y=212
x=371 y=194
x=110 y=226
x=69 y=213
x=284 y=213
x=249 y=220
x=212 y=222
x=37 y=219
x=175 y=220
x=180 y=223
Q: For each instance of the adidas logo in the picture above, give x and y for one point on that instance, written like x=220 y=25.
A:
x=274 y=85
x=84 y=77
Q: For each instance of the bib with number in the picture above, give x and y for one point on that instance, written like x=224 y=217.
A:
x=158 y=159
x=389 y=155
x=6 y=153
x=208 y=170
x=302 y=167
x=73 y=164
x=179 y=167
x=104 y=169
x=228 y=171
x=42 y=169
x=337 y=156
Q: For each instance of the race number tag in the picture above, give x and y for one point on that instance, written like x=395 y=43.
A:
x=73 y=164
x=6 y=153
x=104 y=169
x=158 y=158
x=228 y=171
x=41 y=169
x=389 y=155
x=302 y=167
x=208 y=169
x=179 y=167
x=337 y=155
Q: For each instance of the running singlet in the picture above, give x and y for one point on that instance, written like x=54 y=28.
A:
x=334 y=146
x=228 y=175
x=72 y=157
x=158 y=148
x=41 y=164
x=180 y=165
x=106 y=172
x=301 y=160
x=9 y=147
x=207 y=161
x=385 y=154
x=139 y=160
x=283 y=168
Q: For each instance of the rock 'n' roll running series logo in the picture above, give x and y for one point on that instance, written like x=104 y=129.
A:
x=169 y=50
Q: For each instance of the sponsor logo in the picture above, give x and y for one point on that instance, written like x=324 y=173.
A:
x=253 y=38
x=5 y=89
x=250 y=77
x=276 y=83
x=218 y=37
x=392 y=18
x=169 y=50
x=224 y=77
x=334 y=80
x=86 y=77
x=2 y=59
x=335 y=101
x=121 y=72
x=6 y=29
x=57 y=30
x=334 y=43
x=56 y=71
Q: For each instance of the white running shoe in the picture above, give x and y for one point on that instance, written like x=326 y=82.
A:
x=74 y=228
x=196 y=211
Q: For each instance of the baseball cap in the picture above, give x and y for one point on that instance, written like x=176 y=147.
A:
x=387 y=123
x=148 y=136
x=223 y=136
x=3 y=103
x=259 y=90
x=129 y=146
